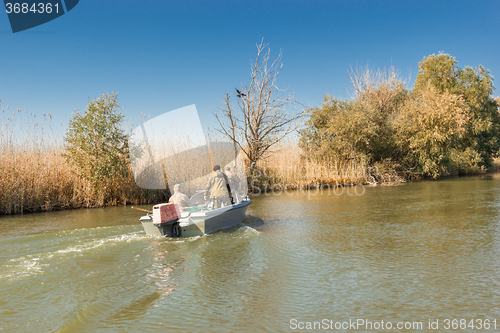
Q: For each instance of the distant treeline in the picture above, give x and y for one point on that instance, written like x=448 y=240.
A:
x=448 y=124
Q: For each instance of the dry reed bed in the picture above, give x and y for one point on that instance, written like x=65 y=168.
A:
x=41 y=180
x=35 y=176
x=287 y=168
x=33 y=181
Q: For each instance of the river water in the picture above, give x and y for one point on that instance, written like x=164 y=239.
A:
x=425 y=253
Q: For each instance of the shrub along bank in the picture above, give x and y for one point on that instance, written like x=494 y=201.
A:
x=448 y=124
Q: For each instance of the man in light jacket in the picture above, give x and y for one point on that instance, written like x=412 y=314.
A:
x=180 y=198
x=218 y=189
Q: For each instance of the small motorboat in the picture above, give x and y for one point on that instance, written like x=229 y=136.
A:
x=172 y=149
x=169 y=221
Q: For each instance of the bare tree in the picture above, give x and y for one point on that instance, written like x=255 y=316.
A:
x=263 y=114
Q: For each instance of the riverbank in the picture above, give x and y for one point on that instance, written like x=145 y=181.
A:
x=35 y=176
x=287 y=168
x=33 y=180
x=40 y=179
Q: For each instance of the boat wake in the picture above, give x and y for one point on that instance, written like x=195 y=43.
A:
x=253 y=221
x=60 y=247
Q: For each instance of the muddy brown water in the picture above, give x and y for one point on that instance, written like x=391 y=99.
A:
x=423 y=253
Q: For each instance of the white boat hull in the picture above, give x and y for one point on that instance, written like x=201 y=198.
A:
x=198 y=223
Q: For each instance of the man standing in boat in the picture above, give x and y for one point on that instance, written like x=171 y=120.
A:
x=180 y=198
x=218 y=189
x=234 y=180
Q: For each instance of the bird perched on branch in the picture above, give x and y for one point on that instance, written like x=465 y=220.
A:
x=239 y=93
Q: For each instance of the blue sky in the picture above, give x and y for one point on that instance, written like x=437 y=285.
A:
x=163 y=55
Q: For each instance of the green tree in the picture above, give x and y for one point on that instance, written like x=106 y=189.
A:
x=379 y=95
x=360 y=129
x=440 y=70
x=338 y=131
x=430 y=131
x=475 y=86
x=97 y=146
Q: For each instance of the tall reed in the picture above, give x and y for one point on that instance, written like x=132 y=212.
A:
x=286 y=167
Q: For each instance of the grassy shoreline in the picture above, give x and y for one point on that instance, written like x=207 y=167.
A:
x=41 y=180
x=35 y=176
x=34 y=180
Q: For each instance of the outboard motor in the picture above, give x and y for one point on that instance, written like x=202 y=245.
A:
x=165 y=218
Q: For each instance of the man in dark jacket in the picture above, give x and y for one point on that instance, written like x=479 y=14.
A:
x=218 y=189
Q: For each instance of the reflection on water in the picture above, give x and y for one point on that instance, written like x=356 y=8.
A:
x=417 y=252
